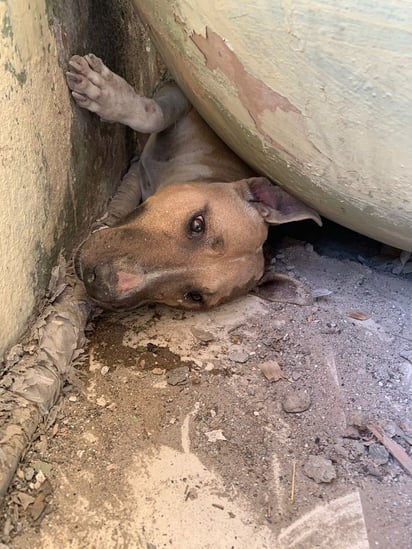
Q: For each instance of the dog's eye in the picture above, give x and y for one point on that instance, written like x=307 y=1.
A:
x=194 y=296
x=197 y=225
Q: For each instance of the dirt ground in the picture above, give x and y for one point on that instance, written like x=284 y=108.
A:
x=173 y=435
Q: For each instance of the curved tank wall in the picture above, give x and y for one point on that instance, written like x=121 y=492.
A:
x=314 y=94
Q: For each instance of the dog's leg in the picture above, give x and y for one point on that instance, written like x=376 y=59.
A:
x=126 y=199
x=96 y=88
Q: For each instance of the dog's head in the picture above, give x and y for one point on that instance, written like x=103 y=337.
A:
x=190 y=245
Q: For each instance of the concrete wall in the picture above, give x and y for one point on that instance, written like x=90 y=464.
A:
x=59 y=165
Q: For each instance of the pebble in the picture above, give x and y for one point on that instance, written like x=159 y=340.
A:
x=295 y=402
x=319 y=469
x=101 y=401
x=239 y=357
x=29 y=473
x=202 y=335
x=104 y=370
x=378 y=453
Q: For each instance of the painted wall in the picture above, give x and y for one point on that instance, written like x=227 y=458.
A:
x=59 y=165
x=316 y=94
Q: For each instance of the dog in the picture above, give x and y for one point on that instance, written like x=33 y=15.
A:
x=187 y=225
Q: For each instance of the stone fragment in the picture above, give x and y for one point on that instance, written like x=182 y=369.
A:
x=319 y=469
x=178 y=376
x=378 y=453
x=295 y=402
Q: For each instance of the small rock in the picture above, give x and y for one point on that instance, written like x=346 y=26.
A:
x=213 y=436
x=271 y=370
x=29 y=473
x=101 y=401
x=319 y=469
x=72 y=398
x=40 y=478
x=178 y=376
x=202 y=335
x=321 y=292
x=239 y=357
x=358 y=315
x=295 y=402
x=158 y=371
x=104 y=370
x=378 y=453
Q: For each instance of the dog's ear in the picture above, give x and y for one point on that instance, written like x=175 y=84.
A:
x=275 y=205
x=283 y=289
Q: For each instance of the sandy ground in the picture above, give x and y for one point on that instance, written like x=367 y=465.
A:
x=173 y=436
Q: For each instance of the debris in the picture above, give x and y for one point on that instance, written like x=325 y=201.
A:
x=218 y=506
x=202 y=335
x=407 y=355
x=292 y=489
x=378 y=453
x=38 y=506
x=295 y=402
x=393 y=447
x=358 y=315
x=42 y=466
x=40 y=478
x=319 y=469
x=271 y=370
x=213 y=436
x=29 y=473
x=178 y=376
x=23 y=499
x=321 y=292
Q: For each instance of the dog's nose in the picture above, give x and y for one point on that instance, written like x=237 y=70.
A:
x=129 y=281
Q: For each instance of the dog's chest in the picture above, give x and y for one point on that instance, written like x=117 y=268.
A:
x=188 y=151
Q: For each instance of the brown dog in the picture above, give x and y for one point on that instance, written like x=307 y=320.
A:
x=196 y=240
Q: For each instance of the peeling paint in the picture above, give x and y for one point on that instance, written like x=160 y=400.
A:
x=20 y=76
x=6 y=29
x=254 y=94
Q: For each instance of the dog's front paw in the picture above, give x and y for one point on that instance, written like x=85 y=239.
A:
x=96 y=88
